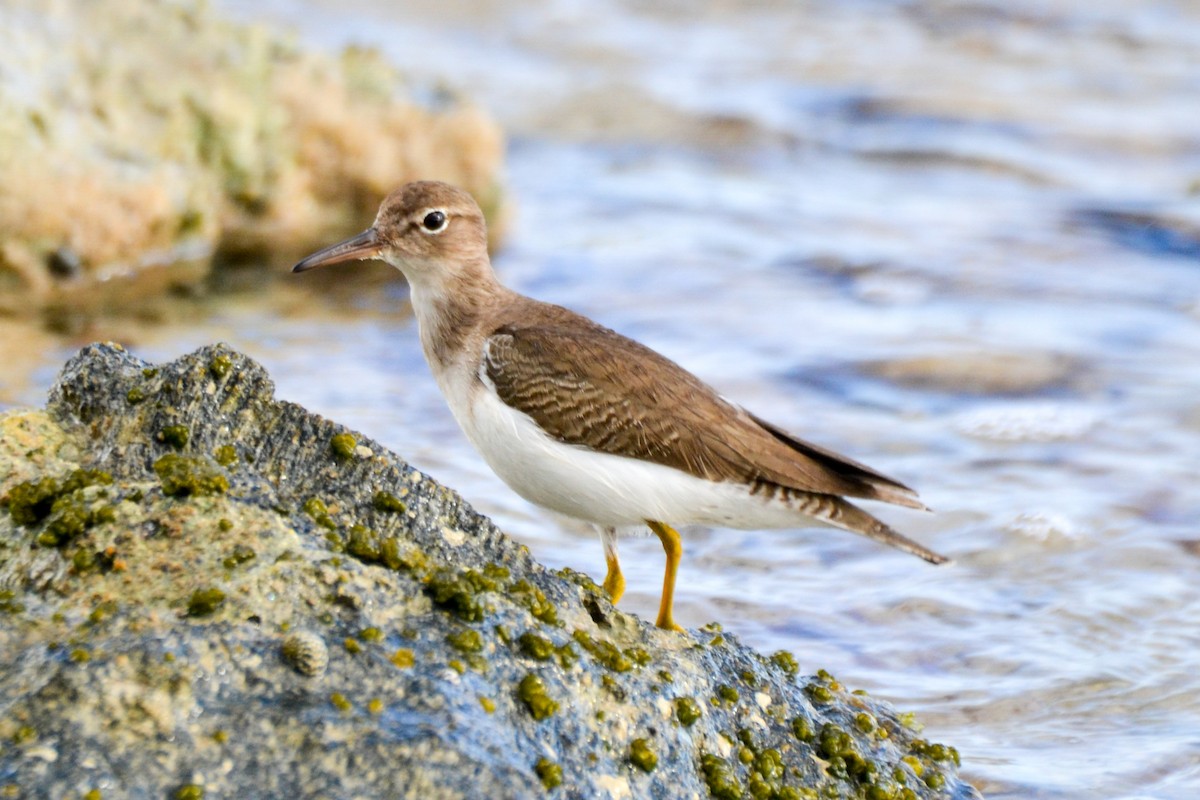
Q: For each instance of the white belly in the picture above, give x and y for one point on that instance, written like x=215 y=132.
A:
x=601 y=488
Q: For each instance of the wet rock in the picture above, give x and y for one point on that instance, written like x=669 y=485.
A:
x=273 y=605
x=981 y=373
x=175 y=134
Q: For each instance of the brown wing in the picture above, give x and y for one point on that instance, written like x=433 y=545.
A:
x=589 y=386
x=885 y=488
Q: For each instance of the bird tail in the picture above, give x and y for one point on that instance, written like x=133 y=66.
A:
x=847 y=516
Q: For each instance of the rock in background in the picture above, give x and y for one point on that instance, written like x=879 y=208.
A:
x=138 y=139
x=208 y=592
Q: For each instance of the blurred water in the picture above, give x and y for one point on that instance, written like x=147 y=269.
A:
x=958 y=241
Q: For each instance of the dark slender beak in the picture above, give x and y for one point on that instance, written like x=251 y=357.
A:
x=365 y=245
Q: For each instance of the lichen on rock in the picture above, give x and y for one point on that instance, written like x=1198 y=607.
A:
x=295 y=612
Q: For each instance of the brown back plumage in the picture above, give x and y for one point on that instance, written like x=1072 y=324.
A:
x=587 y=385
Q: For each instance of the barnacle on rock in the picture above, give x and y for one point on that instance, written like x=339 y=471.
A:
x=306 y=652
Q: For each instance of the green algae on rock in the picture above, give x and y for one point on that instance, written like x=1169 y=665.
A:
x=642 y=756
x=549 y=773
x=536 y=647
x=687 y=711
x=344 y=446
x=205 y=602
x=60 y=506
x=174 y=435
x=220 y=605
x=467 y=640
x=190 y=791
x=225 y=455
x=532 y=692
x=386 y=501
x=240 y=554
x=185 y=476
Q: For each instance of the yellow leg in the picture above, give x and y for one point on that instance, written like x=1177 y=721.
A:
x=614 y=581
x=674 y=549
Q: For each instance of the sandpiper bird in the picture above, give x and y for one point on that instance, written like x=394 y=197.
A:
x=581 y=420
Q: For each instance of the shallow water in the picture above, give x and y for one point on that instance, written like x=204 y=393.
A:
x=960 y=242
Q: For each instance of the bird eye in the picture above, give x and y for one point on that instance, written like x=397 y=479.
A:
x=434 y=221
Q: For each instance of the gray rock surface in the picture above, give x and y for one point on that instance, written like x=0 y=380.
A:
x=206 y=592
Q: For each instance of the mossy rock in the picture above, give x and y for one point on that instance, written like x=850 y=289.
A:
x=286 y=615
